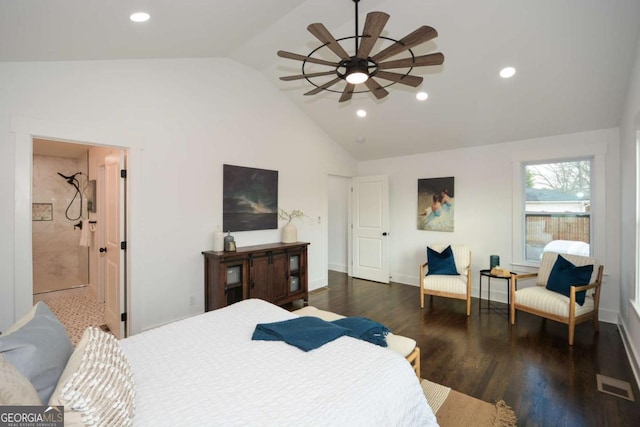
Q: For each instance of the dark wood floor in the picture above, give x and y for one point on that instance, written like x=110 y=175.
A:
x=530 y=366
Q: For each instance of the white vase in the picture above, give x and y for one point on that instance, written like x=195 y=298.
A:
x=218 y=240
x=289 y=233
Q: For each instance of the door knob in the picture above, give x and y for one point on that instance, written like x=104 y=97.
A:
x=384 y=234
x=103 y=250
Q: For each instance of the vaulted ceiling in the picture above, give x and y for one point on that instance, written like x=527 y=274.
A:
x=573 y=59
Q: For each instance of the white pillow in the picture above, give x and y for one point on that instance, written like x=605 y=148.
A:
x=96 y=387
x=15 y=389
x=38 y=347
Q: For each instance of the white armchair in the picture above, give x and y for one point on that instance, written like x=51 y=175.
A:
x=553 y=305
x=458 y=287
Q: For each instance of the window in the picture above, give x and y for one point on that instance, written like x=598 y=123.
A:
x=557 y=208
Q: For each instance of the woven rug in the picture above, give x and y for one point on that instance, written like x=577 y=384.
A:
x=454 y=409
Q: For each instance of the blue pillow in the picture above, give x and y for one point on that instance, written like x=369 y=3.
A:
x=441 y=263
x=38 y=348
x=564 y=275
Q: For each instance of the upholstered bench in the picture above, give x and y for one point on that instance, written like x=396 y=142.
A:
x=404 y=346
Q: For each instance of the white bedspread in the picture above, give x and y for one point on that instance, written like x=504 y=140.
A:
x=206 y=370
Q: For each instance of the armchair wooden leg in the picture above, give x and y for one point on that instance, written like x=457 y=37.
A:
x=469 y=305
x=512 y=313
x=572 y=329
x=414 y=360
x=513 y=283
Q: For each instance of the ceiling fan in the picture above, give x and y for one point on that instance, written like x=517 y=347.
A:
x=361 y=68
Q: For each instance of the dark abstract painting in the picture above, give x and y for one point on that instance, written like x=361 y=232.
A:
x=250 y=199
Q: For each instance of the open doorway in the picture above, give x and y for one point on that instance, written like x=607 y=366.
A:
x=339 y=188
x=76 y=219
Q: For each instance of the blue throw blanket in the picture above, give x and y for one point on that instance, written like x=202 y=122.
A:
x=308 y=333
x=365 y=329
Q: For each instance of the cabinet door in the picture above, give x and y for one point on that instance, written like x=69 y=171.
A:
x=295 y=269
x=260 y=282
x=233 y=282
x=297 y=273
x=279 y=275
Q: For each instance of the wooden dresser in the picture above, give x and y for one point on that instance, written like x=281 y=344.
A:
x=274 y=272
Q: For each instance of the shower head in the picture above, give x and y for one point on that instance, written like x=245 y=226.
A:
x=69 y=178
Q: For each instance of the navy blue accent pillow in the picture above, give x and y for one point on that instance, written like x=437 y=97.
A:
x=441 y=263
x=564 y=275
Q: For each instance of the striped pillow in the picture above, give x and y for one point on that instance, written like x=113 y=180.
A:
x=96 y=387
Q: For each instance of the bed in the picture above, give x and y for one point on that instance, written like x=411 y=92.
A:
x=206 y=370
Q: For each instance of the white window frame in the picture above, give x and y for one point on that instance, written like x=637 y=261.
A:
x=590 y=159
x=597 y=153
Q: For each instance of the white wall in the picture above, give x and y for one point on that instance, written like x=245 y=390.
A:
x=483 y=205
x=629 y=134
x=182 y=119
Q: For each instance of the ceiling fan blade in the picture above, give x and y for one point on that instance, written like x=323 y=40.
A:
x=419 y=36
x=322 y=34
x=413 y=81
x=375 y=88
x=304 y=76
x=324 y=86
x=418 y=61
x=289 y=55
x=348 y=91
x=373 y=26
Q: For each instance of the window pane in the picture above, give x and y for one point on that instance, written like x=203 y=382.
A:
x=557 y=208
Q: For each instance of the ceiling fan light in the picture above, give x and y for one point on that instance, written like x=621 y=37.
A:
x=357 y=77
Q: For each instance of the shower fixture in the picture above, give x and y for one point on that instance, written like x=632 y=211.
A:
x=72 y=180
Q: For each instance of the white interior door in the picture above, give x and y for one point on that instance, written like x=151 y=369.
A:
x=370 y=224
x=114 y=292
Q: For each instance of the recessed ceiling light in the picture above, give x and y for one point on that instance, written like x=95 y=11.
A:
x=140 y=17
x=361 y=113
x=507 y=72
x=422 y=96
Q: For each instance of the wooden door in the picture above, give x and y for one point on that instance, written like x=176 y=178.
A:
x=114 y=292
x=370 y=223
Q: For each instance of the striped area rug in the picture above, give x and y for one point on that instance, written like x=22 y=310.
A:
x=454 y=409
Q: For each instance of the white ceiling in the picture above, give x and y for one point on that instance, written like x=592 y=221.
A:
x=573 y=57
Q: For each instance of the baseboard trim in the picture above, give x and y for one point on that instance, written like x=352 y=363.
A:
x=340 y=268
x=634 y=360
x=317 y=284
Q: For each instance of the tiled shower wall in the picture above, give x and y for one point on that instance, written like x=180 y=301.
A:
x=59 y=262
